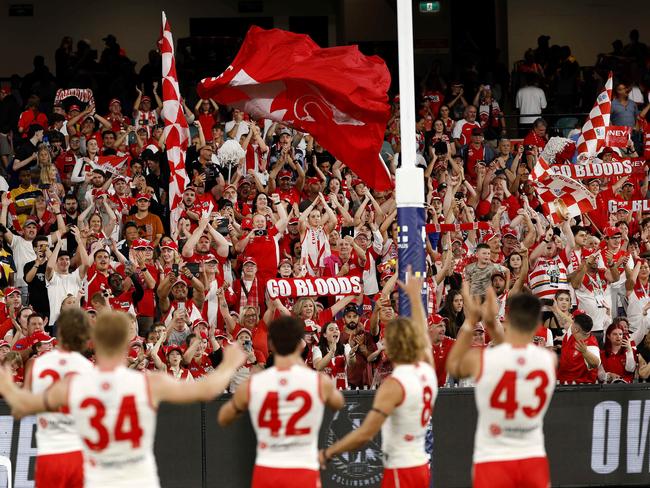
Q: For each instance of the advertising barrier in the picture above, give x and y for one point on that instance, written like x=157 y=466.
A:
x=595 y=436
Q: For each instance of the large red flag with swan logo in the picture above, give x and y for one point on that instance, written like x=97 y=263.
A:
x=337 y=95
x=176 y=130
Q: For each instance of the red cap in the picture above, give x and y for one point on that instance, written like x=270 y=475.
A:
x=285 y=261
x=243 y=181
x=229 y=187
x=11 y=290
x=114 y=101
x=293 y=221
x=145 y=99
x=436 y=319
x=198 y=322
x=435 y=195
x=356 y=181
x=169 y=349
x=313 y=180
x=141 y=243
x=218 y=333
x=612 y=231
x=249 y=259
x=143 y=196
x=90 y=309
x=241 y=331
x=41 y=336
x=179 y=280
x=170 y=245
x=607 y=150
x=210 y=257
x=189 y=188
x=119 y=177
x=578 y=311
x=4 y=343
x=506 y=230
x=489 y=236
x=99 y=192
x=74 y=107
x=136 y=342
x=285 y=173
x=386 y=274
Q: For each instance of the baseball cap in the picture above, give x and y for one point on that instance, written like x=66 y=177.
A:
x=477 y=131
x=506 y=230
x=30 y=221
x=612 y=231
x=351 y=307
x=285 y=173
x=141 y=244
x=229 y=187
x=179 y=281
x=313 y=180
x=436 y=319
x=489 y=236
x=293 y=221
x=607 y=150
x=145 y=99
x=498 y=273
x=480 y=327
x=241 y=331
x=357 y=181
x=285 y=261
x=286 y=131
x=4 y=343
x=249 y=259
x=172 y=348
x=41 y=337
x=243 y=182
x=143 y=196
x=578 y=311
x=170 y=245
x=220 y=334
x=198 y=322
x=210 y=257
x=114 y=101
x=435 y=195
x=74 y=107
x=10 y=290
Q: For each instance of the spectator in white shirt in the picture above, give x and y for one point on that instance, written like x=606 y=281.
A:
x=530 y=101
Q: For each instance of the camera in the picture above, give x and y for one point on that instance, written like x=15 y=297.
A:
x=259 y=232
x=175 y=269
x=459 y=195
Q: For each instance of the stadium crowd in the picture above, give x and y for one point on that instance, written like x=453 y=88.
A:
x=77 y=228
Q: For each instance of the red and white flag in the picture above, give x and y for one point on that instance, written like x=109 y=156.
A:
x=176 y=130
x=592 y=137
x=573 y=194
x=336 y=94
x=110 y=164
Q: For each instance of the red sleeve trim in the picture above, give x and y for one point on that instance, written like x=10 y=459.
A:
x=480 y=371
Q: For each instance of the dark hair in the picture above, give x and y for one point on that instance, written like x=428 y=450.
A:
x=34 y=315
x=107 y=132
x=285 y=333
x=482 y=245
x=70 y=196
x=584 y=322
x=33 y=129
x=324 y=346
x=562 y=292
x=524 y=312
x=73 y=329
x=130 y=224
x=38 y=239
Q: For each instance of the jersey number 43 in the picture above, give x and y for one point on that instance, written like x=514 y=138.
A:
x=504 y=396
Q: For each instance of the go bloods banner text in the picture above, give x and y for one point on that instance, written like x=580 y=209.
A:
x=600 y=170
x=309 y=287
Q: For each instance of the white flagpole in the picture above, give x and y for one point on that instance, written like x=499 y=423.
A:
x=409 y=184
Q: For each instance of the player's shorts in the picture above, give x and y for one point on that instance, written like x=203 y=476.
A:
x=415 y=477
x=264 y=477
x=63 y=470
x=520 y=473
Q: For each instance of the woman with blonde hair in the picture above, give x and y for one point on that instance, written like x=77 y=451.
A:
x=305 y=308
x=403 y=404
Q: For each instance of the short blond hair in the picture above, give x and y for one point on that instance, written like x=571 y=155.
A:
x=111 y=332
x=405 y=341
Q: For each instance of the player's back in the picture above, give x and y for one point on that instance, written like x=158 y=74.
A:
x=56 y=432
x=286 y=411
x=403 y=433
x=117 y=423
x=513 y=391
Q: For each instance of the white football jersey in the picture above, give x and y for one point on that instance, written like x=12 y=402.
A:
x=403 y=433
x=56 y=433
x=513 y=391
x=286 y=411
x=117 y=424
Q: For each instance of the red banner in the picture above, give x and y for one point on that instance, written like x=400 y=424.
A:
x=632 y=205
x=600 y=170
x=617 y=136
x=310 y=287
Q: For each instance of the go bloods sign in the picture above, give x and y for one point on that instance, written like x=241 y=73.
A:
x=309 y=287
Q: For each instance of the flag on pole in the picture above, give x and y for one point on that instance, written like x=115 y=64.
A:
x=176 y=130
x=337 y=95
x=564 y=197
x=592 y=137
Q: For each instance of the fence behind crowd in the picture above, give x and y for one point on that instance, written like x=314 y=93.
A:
x=595 y=436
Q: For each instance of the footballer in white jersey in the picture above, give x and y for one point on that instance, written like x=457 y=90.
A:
x=114 y=408
x=404 y=402
x=59 y=460
x=286 y=405
x=515 y=381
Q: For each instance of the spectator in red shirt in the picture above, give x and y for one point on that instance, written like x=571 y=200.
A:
x=617 y=357
x=441 y=344
x=31 y=116
x=463 y=128
x=580 y=355
x=537 y=136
